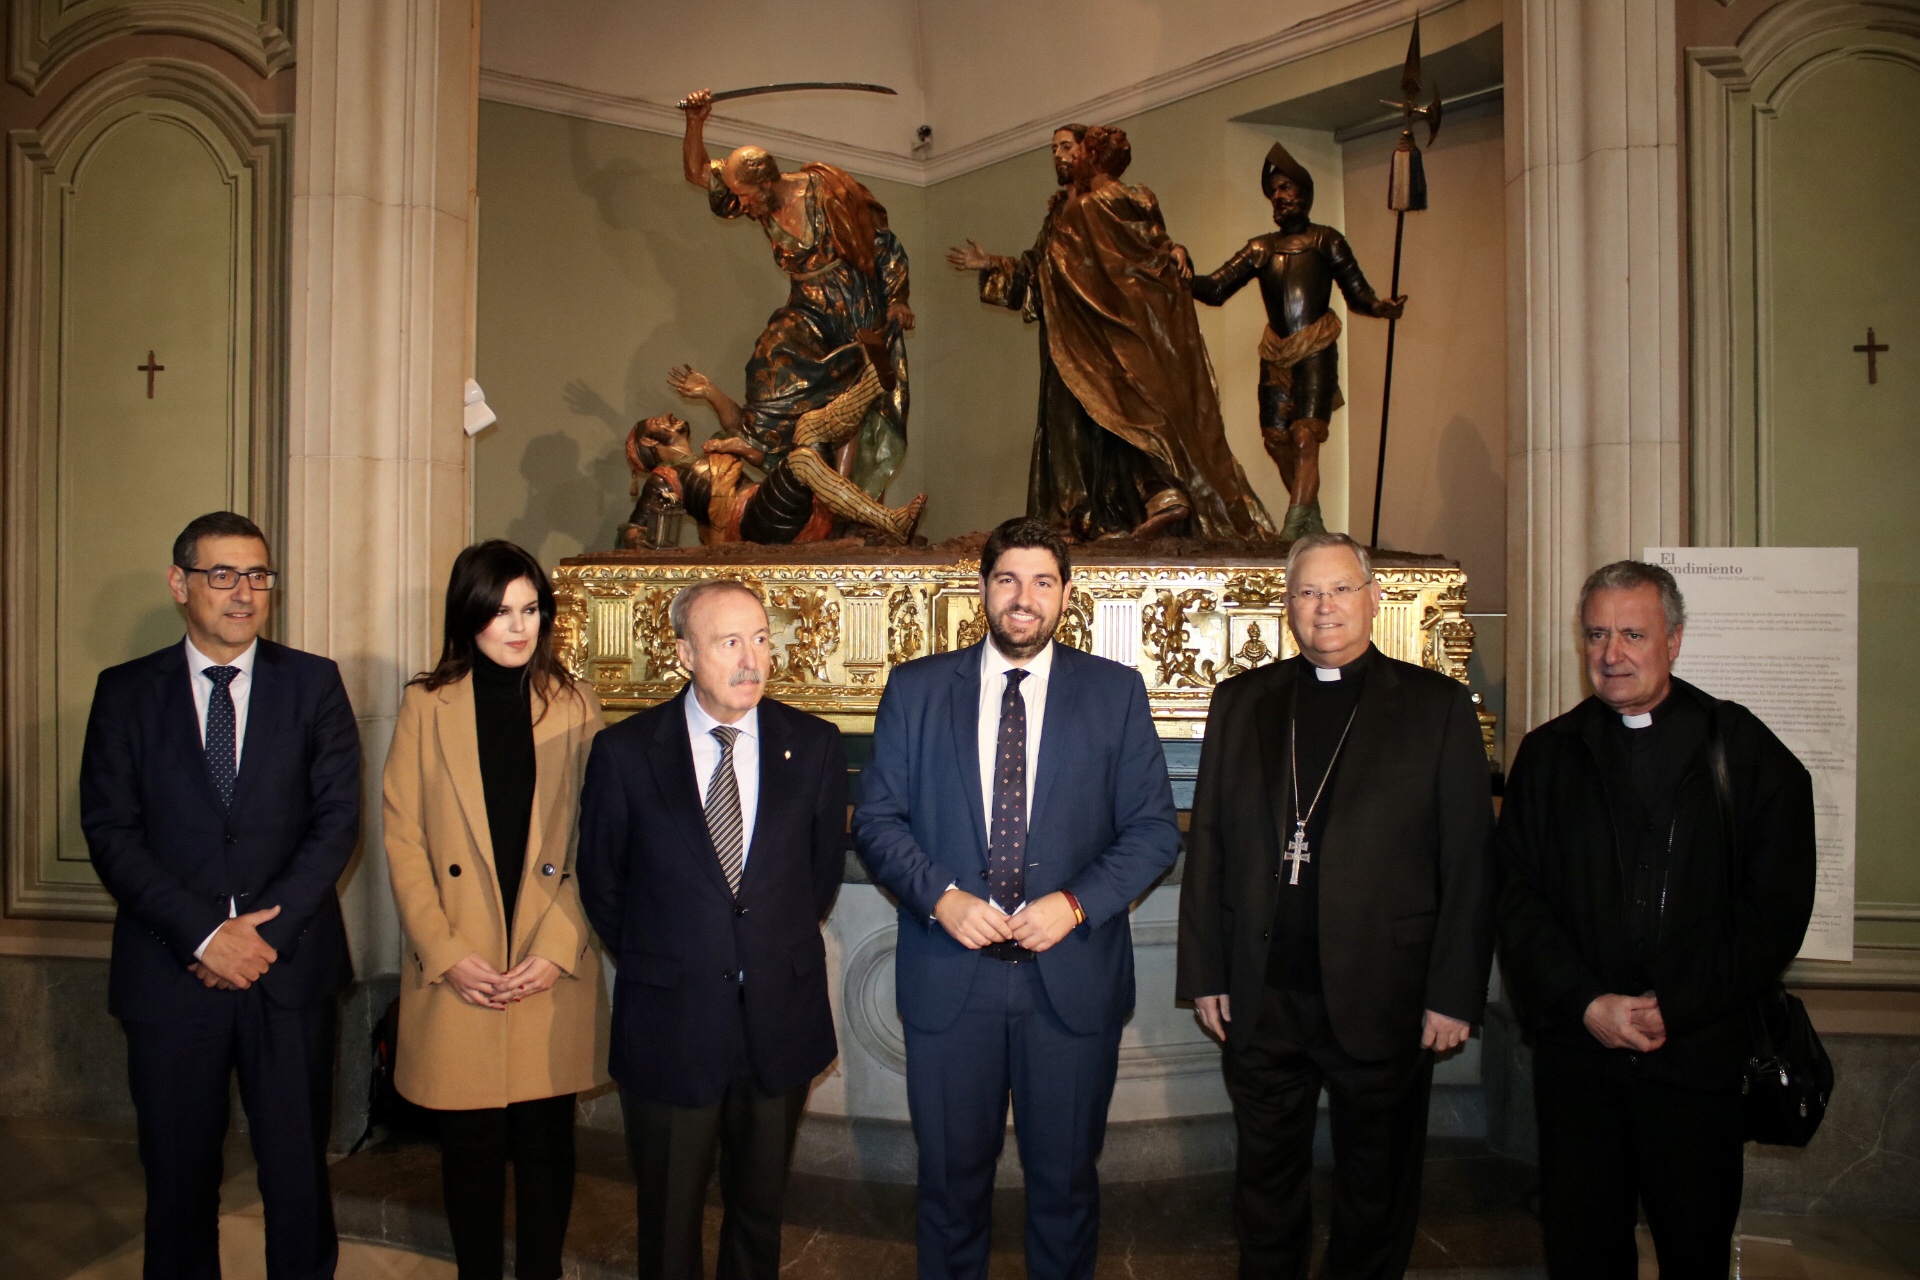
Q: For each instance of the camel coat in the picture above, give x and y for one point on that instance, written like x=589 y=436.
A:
x=454 y=1056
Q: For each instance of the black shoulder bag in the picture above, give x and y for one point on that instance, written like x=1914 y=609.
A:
x=1788 y=1077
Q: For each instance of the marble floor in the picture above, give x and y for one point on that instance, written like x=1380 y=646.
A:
x=70 y=1204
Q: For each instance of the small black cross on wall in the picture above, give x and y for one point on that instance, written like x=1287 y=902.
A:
x=1872 y=349
x=153 y=366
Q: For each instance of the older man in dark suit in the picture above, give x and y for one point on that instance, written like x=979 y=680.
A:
x=712 y=842
x=1014 y=969
x=1336 y=922
x=220 y=794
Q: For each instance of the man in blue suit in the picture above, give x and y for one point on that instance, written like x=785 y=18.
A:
x=1014 y=969
x=220 y=795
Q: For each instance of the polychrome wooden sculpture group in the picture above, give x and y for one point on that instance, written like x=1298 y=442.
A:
x=1130 y=444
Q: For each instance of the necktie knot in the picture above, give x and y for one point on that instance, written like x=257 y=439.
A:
x=222 y=676
x=725 y=734
x=1014 y=676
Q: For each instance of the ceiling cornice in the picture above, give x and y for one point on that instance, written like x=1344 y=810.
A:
x=1351 y=22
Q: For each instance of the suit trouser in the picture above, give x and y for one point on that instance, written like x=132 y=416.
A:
x=1612 y=1141
x=1008 y=1041
x=181 y=1076
x=1378 y=1111
x=537 y=1135
x=671 y=1149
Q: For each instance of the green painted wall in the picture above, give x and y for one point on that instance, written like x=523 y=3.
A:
x=1840 y=458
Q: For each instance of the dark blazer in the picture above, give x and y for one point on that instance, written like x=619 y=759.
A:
x=652 y=886
x=1406 y=890
x=1103 y=827
x=171 y=858
x=1730 y=920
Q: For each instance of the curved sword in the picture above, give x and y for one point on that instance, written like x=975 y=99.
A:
x=755 y=91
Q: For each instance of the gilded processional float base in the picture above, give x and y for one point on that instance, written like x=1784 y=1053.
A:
x=845 y=614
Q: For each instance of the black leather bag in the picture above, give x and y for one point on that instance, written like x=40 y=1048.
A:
x=390 y=1117
x=1788 y=1077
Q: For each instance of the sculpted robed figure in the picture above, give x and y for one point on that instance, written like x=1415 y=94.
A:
x=1130 y=440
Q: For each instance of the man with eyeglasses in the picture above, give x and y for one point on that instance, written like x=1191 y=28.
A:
x=220 y=796
x=1336 y=916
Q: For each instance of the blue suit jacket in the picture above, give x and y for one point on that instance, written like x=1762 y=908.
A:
x=1103 y=827
x=172 y=858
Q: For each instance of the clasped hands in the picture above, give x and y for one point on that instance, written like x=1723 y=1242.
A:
x=1627 y=1022
x=236 y=956
x=975 y=922
x=479 y=983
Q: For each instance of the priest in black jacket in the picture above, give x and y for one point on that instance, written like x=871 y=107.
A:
x=1635 y=940
x=1336 y=916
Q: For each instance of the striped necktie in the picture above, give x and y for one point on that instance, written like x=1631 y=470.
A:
x=723 y=810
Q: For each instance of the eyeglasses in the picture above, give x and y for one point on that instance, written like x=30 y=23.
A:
x=223 y=578
x=1307 y=598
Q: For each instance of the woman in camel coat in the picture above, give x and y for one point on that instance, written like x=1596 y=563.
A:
x=503 y=1015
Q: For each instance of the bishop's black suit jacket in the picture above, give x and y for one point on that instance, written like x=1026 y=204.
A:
x=172 y=858
x=1406 y=883
x=652 y=886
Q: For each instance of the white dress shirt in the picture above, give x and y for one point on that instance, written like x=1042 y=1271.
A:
x=993 y=689
x=746 y=762
x=242 y=691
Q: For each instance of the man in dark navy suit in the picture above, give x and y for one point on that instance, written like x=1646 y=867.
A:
x=1014 y=969
x=220 y=795
x=713 y=837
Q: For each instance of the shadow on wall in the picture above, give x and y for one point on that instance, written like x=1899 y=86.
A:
x=1470 y=520
x=582 y=500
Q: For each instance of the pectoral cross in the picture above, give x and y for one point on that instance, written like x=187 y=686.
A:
x=153 y=366
x=1872 y=350
x=1297 y=851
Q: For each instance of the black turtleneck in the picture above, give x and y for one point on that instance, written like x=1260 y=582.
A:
x=1321 y=710
x=503 y=718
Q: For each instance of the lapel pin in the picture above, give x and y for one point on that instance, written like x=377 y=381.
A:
x=786 y=755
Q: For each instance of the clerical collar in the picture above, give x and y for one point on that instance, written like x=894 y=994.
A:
x=1331 y=675
x=1645 y=719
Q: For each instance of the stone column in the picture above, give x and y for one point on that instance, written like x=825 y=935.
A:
x=1594 y=274
x=384 y=160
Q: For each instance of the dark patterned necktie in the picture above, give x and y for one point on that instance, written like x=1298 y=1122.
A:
x=1007 y=850
x=723 y=810
x=221 y=738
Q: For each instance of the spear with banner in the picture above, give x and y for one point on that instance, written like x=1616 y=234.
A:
x=1406 y=193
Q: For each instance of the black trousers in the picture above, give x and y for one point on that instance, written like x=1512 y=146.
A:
x=475 y=1146
x=1379 y=1116
x=672 y=1151
x=181 y=1076
x=1612 y=1141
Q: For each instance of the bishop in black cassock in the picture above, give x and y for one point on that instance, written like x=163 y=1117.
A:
x=1336 y=916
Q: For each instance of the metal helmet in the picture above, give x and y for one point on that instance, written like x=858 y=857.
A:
x=1281 y=161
